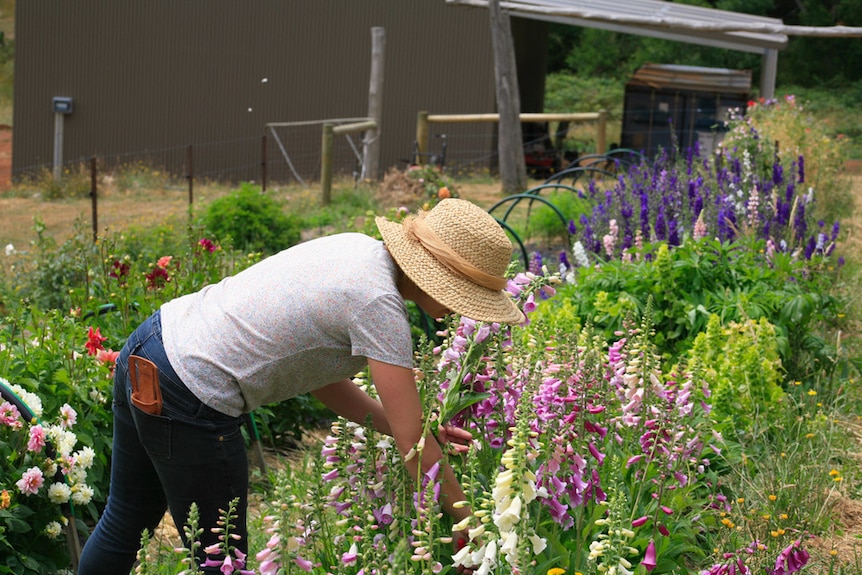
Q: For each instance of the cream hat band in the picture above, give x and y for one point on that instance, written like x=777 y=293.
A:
x=458 y=254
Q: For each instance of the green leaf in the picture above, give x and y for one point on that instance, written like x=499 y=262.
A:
x=462 y=402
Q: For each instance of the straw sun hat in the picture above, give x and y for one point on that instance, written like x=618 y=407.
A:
x=456 y=253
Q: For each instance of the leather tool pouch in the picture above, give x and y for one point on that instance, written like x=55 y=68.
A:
x=146 y=394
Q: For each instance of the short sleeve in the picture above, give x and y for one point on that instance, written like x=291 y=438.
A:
x=380 y=330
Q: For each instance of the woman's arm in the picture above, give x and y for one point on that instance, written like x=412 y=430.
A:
x=403 y=410
x=347 y=400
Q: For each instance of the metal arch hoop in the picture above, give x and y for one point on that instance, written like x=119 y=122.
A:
x=576 y=173
x=516 y=199
x=514 y=234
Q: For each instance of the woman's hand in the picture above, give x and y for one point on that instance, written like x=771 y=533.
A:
x=455 y=439
x=459 y=541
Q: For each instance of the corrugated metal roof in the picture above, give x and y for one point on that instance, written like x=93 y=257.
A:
x=656 y=18
x=693 y=78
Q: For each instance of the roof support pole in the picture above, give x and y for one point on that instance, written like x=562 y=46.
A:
x=371 y=141
x=768 y=73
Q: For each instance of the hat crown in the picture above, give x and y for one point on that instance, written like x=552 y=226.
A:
x=472 y=233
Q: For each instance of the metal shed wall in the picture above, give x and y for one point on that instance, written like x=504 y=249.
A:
x=162 y=74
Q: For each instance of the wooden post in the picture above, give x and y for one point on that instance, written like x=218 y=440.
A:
x=263 y=163
x=371 y=141
x=421 y=137
x=326 y=165
x=510 y=146
x=191 y=176
x=602 y=132
x=94 y=201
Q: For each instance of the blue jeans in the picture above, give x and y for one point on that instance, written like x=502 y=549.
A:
x=189 y=453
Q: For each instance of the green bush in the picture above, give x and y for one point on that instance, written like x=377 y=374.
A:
x=698 y=279
x=252 y=221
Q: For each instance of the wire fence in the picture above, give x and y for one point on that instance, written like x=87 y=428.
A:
x=291 y=153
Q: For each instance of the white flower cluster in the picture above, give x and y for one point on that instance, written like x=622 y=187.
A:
x=514 y=489
x=580 y=258
x=31 y=399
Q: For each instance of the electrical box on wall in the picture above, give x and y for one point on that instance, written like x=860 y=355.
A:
x=63 y=105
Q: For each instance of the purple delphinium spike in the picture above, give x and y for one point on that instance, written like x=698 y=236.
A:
x=800 y=226
x=644 y=214
x=783 y=215
x=535 y=266
x=673 y=233
x=790 y=192
x=800 y=170
x=777 y=172
x=564 y=260
x=810 y=247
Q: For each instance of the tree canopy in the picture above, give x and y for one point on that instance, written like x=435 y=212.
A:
x=807 y=61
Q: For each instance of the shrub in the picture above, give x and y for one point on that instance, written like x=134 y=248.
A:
x=782 y=131
x=252 y=221
x=700 y=278
x=42 y=474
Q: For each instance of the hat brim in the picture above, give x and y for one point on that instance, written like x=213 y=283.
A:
x=446 y=287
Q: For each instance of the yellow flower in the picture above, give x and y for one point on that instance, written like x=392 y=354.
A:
x=556 y=571
x=812 y=392
x=797 y=383
x=839 y=479
x=833 y=552
x=781 y=531
x=766 y=516
x=774 y=533
x=809 y=435
x=5 y=499
x=783 y=516
x=772 y=497
x=741 y=500
x=834 y=472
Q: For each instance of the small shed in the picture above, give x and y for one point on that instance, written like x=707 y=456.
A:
x=668 y=104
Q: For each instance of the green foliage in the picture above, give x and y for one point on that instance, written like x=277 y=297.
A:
x=340 y=215
x=743 y=371
x=837 y=110
x=44 y=355
x=806 y=61
x=7 y=77
x=784 y=129
x=54 y=270
x=697 y=280
x=251 y=220
x=537 y=221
